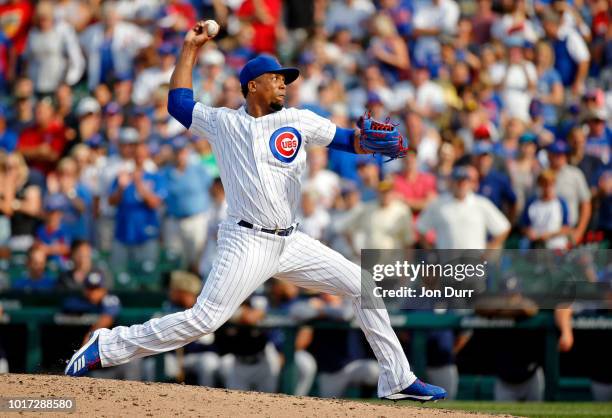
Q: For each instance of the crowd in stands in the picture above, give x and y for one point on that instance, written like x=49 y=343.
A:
x=506 y=105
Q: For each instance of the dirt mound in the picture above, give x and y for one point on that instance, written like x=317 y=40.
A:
x=112 y=398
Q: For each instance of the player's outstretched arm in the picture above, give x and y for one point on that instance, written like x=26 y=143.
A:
x=347 y=140
x=180 y=97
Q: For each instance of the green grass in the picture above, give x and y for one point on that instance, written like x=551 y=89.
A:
x=527 y=409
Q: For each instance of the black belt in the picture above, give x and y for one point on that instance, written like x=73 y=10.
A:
x=281 y=232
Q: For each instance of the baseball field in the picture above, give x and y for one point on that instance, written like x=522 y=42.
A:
x=111 y=398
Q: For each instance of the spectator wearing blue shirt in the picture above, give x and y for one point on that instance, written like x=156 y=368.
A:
x=8 y=137
x=36 y=278
x=77 y=199
x=549 y=84
x=187 y=203
x=138 y=195
x=493 y=184
x=545 y=220
x=572 y=55
x=53 y=236
x=95 y=300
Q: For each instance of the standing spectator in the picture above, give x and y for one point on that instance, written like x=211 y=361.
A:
x=524 y=169
x=599 y=136
x=20 y=201
x=264 y=17
x=590 y=165
x=42 y=144
x=385 y=223
x=78 y=201
x=137 y=196
x=573 y=188
x=111 y=46
x=462 y=219
x=516 y=79
x=415 y=187
x=493 y=184
x=36 y=278
x=52 y=52
x=429 y=101
x=545 y=218
x=150 y=79
x=447 y=155
x=571 y=52
x=423 y=139
x=8 y=137
x=187 y=204
x=549 y=85
x=389 y=49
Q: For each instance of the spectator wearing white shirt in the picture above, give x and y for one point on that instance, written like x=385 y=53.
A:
x=463 y=219
x=517 y=80
x=150 y=79
x=351 y=14
x=545 y=219
x=111 y=46
x=432 y=19
x=314 y=219
x=52 y=52
x=429 y=100
x=325 y=183
x=515 y=24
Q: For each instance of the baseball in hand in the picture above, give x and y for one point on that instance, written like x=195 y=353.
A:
x=212 y=28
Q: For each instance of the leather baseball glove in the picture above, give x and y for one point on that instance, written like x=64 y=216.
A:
x=381 y=138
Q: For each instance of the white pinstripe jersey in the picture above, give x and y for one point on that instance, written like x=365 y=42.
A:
x=261 y=160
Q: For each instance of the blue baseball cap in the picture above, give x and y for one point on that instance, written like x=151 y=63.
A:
x=483 y=147
x=558 y=147
x=265 y=64
x=528 y=137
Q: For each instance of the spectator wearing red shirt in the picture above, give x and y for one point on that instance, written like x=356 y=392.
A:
x=264 y=16
x=43 y=143
x=416 y=188
x=183 y=15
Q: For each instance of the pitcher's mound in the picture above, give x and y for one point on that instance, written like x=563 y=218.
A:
x=114 y=398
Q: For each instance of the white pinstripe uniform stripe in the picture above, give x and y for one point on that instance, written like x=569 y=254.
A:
x=264 y=190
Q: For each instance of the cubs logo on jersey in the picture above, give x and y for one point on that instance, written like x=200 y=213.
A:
x=285 y=143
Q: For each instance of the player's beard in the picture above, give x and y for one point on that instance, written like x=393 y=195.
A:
x=276 y=106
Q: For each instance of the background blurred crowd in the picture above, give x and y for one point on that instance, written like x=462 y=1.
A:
x=506 y=105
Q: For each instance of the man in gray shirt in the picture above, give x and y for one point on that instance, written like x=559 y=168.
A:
x=571 y=186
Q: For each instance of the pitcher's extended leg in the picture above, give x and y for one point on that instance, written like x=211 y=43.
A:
x=246 y=259
x=308 y=263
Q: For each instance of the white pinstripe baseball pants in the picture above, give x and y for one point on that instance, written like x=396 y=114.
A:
x=246 y=258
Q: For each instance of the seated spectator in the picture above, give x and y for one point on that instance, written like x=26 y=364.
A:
x=36 y=278
x=549 y=85
x=545 y=218
x=20 y=201
x=137 y=195
x=573 y=188
x=95 y=300
x=187 y=203
x=82 y=266
x=324 y=182
x=53 y=236
x=493 y=184
x=389 y=49
x=199 y=358
x=462 y=219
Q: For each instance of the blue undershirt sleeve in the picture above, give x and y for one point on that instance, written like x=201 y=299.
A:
x=181 y=104
x=343 y=140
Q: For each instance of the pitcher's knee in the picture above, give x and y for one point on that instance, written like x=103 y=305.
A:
x=206 y=322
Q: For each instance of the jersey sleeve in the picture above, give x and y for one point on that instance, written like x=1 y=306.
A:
x=317 y=129
x=204 y=121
